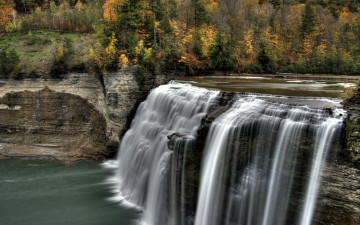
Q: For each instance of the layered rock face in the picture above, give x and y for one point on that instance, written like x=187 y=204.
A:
x=78 y=117
x=49 y=124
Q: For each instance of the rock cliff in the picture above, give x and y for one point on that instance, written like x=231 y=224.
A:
x=70 y=119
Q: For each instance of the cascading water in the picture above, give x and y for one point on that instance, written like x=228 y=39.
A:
x=261 y=165
x=252 y=156
x=144 y=159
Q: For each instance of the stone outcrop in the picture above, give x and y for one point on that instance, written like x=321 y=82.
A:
x=352 y=126
x=49 y=124
x=68 y=115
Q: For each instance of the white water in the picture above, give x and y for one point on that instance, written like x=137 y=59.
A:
x=325 y=133
x=144 y=159
x=270 y=135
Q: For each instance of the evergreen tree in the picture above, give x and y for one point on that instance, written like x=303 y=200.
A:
x=201 y=15
x=308 y=20
x=221 y=55
x=129 y=16
x=264 y=59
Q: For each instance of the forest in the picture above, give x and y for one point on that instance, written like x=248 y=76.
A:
x=194 y=36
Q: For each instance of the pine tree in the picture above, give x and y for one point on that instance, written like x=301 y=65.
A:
x=308 y=20
x=264 y=59
x=221 y=55
x=201 y=15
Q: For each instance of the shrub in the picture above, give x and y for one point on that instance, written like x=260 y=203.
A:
x=9 y=64
x=140 y=74
x=58 y=67
x=254 y=68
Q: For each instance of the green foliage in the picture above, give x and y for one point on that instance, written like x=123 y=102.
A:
x=33 y=74
x=34 y=39
x=264 y=60
x=9 y=63
x=200 y=14
x=197 y=49
x=308 y=20
x=140 y=74
x=331 y=64
x=172 y=56
x=58 y=68
x=253 y=68
x=129 y=18
x=221 y=54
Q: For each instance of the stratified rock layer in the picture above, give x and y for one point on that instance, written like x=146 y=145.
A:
x=78 y=117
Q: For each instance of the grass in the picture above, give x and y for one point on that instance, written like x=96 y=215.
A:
x=37 y=49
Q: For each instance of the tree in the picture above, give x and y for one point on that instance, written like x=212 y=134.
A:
x=111 y=9
x=5 y=13
x=9 y=63
x=200 y=13
x=308 y=21
x=221 y=55
x=264 y=59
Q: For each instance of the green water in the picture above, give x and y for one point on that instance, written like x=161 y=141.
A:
x=49 y=193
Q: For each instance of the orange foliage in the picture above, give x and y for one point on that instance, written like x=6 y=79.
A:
x=5 y=14
x=111 y=8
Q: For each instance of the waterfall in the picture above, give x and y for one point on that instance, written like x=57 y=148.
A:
x=252 y=156
x=144 y=160
x=261 y=163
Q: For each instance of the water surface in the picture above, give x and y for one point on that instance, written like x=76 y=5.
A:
x=44 y=193
x=275 y=86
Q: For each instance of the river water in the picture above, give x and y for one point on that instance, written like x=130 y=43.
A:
x=45 y=193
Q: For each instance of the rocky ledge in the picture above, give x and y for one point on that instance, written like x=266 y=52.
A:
x=79 y=117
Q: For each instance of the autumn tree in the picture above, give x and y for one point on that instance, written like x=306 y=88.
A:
x=5 y=13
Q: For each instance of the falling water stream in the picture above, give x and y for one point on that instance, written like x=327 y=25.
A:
x=255 y=155
x=271 y=135
x=144 y=158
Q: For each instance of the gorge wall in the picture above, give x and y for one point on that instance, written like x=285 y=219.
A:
x=75 y=118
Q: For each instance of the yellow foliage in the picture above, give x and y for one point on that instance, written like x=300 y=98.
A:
x=10 y=27
x=61 y=50
x=78 y=5
x=111 y=8
x=211 y=6
x=123 y=62
x=207 y=35
x=139 y=47
x=110 y=50
x=92 y=53
x=321 y=50
x=249 y=48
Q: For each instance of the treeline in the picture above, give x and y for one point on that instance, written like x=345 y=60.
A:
x=254 y=36
x=242 y=36
x=63 y=16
